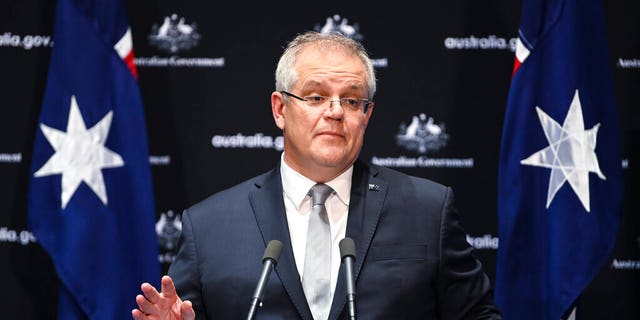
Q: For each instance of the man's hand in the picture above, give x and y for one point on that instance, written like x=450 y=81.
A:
x=165 y=305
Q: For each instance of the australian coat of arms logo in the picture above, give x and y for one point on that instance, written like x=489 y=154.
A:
x=174 y=34
x=339 y=24
x=422 y=135
x=168 y=228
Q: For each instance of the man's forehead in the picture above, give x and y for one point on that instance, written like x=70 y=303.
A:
x=349 y=84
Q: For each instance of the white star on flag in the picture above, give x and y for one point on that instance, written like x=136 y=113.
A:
x=570 y=154
x=80 y=154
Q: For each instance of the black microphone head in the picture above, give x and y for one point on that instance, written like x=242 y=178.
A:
x=273 y=250
x=347 y=248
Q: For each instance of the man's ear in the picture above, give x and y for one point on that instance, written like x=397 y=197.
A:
x=368 y=114
x=277 y=108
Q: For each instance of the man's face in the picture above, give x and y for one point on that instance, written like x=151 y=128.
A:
x=321 y=143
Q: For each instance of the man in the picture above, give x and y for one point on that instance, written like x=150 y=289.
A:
x=413 y=261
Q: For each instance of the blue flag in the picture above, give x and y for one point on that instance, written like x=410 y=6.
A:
x=90 y=195
x=560 y=184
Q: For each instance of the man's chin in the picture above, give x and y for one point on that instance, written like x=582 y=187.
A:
x=331 y=161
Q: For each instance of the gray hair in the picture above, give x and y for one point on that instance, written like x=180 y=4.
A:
x=286 y=74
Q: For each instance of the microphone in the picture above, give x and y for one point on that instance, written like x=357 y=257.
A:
x=269 y=261
x=348 y=254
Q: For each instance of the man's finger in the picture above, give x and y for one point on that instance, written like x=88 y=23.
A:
x=145 y=305
x=138 y=315
x=168 y=289
x=186 y=311
x=150 y=292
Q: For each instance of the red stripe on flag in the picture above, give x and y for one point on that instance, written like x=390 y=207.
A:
x=129 y=60
x=516 y=65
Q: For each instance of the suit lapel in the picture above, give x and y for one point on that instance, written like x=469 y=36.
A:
x=368 y=193
x=268 y=206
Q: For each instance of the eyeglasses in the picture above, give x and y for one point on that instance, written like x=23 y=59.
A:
x=349 y=104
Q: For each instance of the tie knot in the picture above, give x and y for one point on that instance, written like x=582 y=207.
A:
x=319 y=193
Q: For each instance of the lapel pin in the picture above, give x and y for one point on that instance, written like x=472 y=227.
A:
x=374 y=187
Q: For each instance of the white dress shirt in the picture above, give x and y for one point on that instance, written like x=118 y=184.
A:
x=297 y=205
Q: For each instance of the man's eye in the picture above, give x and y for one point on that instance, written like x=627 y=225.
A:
x=351 y=102
x=315 y=98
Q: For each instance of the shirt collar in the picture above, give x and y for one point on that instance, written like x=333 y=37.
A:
x=296 y=186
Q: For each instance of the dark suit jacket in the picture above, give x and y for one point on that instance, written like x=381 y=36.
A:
x=413 y=261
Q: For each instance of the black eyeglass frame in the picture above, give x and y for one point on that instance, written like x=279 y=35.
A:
x=366 y=103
